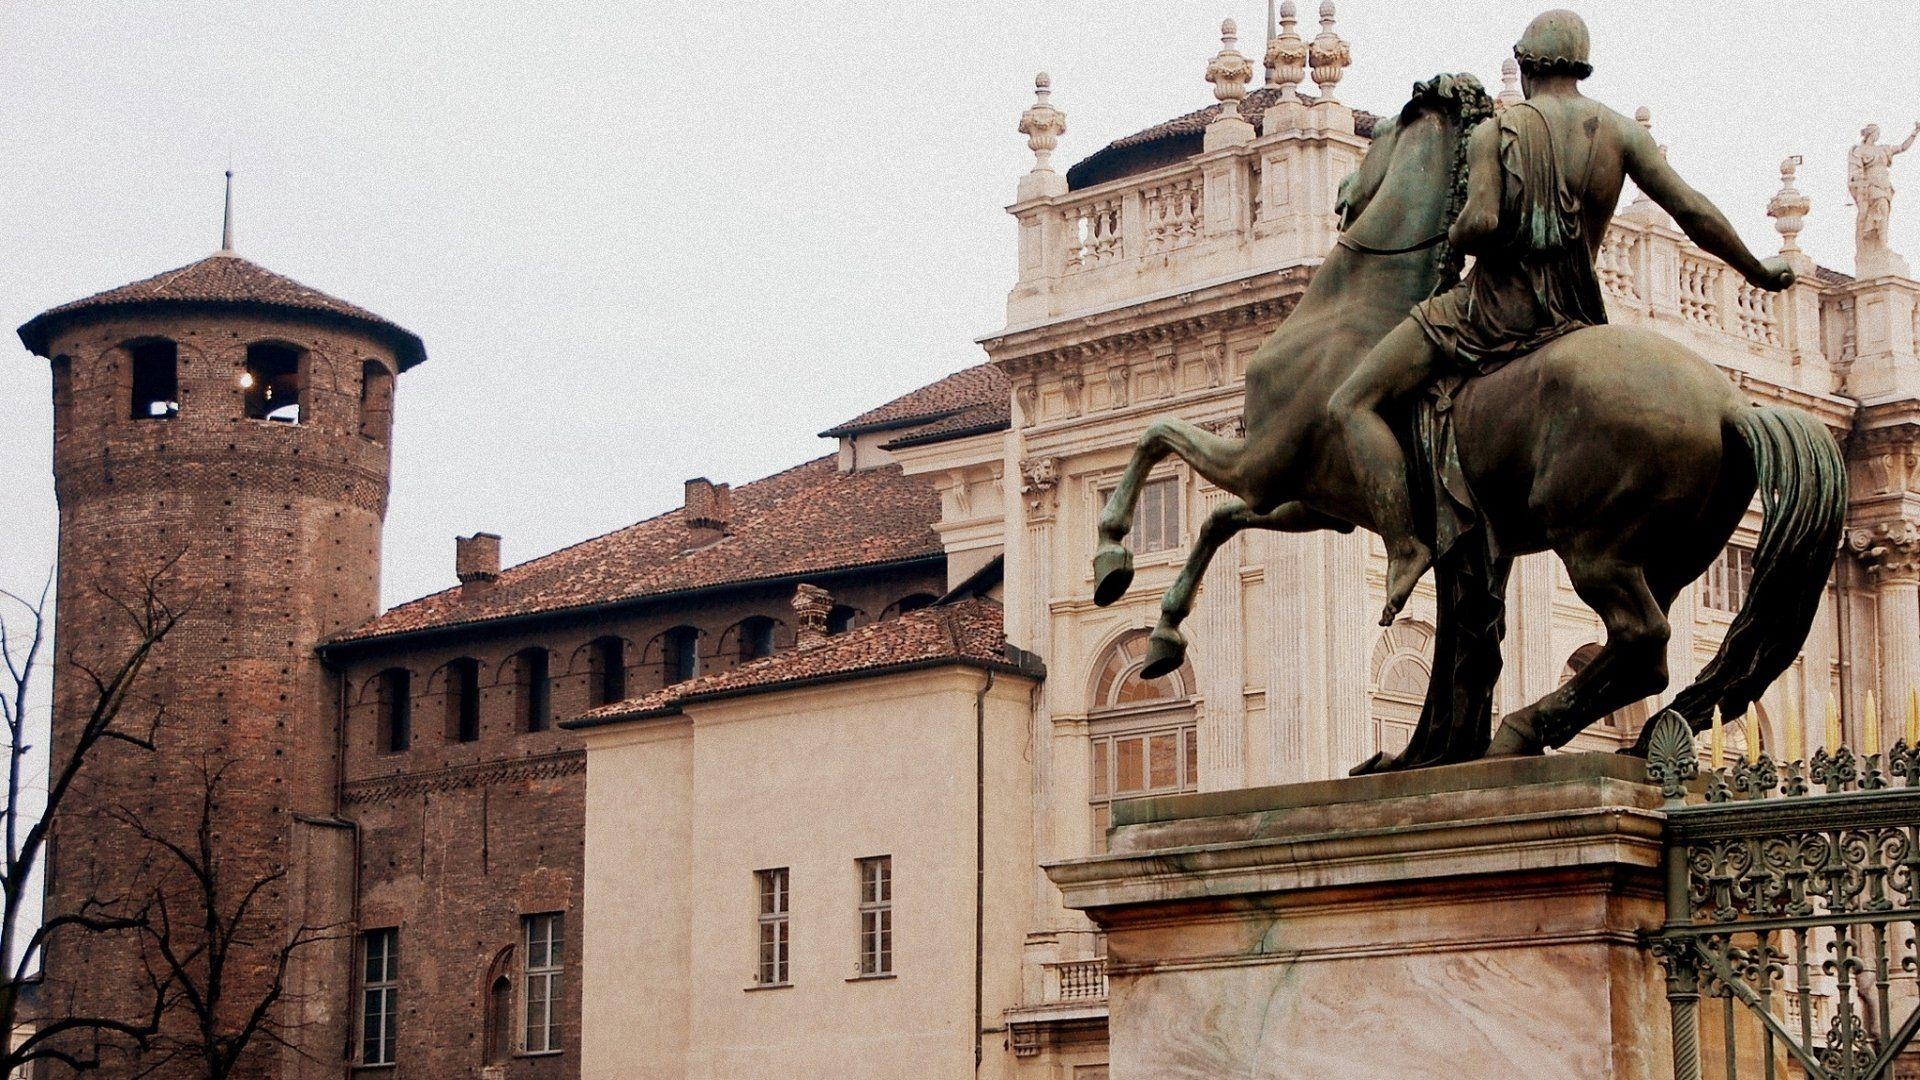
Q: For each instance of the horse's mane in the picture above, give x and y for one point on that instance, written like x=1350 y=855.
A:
x=1461 y=100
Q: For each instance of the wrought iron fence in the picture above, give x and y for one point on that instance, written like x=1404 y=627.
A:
x=1781 y=875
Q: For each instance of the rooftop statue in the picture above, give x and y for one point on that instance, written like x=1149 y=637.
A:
x=1469 y=421
x=1870 y=182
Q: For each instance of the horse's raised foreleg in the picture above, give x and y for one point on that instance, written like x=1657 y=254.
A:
x=1167 y=647
x=1630 y=666
x=1212 y=456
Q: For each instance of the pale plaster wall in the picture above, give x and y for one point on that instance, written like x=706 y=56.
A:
x=812 y=780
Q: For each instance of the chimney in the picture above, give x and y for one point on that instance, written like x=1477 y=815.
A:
x=811 y=605
x=709 y=510
x=476 y=559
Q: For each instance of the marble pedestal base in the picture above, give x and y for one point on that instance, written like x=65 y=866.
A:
x=1468 y=922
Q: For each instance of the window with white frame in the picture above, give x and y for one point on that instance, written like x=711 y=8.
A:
x=379 y=992
x=541 y=1033
x=773 y=927
x=1156 y=516
x=1728 y=578
x=876 y=915
x=1144 y=737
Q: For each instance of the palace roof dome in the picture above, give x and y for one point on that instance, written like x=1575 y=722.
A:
x=1173 y=141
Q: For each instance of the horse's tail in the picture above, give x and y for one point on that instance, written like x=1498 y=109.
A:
x=1803 y=502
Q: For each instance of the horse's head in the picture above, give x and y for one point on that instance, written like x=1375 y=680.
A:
x=1414 y=176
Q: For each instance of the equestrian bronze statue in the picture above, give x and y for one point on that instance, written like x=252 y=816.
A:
x=1472 y=421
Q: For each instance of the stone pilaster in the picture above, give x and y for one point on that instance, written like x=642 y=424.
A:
x=1891 y=553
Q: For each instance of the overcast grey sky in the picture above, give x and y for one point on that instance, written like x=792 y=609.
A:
x=650 y=241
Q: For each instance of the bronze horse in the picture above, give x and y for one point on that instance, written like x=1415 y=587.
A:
x=1623 y=452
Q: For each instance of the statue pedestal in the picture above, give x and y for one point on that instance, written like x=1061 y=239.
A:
x=1470 y=921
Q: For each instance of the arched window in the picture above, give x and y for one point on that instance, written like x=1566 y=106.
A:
x=533 y=689
x=62 y=391
x=1145 y=740
x=376 y=401
x=394 y=697
x=156 y=379
x=1402 y=662
x=606 y=671
x=463 y=700
x=679 y=655
x=841 y=619
x=271 y=382
x=499 y=1033
x=753 y=638
x=910 y=602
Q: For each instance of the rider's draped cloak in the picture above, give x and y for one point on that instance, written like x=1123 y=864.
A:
x=1535 y=281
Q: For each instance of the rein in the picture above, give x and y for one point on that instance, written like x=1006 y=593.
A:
x=1351 y=244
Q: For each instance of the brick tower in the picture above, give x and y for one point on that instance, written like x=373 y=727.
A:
x=236 y=423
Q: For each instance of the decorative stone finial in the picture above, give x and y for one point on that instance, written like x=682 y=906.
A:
x=1509 y=84
x=1789 y=207
x=1042 y=124
x=1287 y=55
x=1229 y=72
x=1329 y=54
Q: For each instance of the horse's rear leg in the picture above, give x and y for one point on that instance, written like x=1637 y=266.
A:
x=1167 y=646
x=1212 y=456
x=1631 y=665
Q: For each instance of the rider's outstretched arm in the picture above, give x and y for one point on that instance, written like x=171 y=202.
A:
x=1703 y=222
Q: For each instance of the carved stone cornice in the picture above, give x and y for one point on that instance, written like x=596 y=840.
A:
x=1269 y=310
x=1888 y=549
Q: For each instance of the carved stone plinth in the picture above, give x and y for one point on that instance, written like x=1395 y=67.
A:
x=1468 y=921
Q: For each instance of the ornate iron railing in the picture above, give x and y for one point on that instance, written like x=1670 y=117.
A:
x=1778 y=875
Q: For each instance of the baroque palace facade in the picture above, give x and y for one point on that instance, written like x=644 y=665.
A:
x=763 y=786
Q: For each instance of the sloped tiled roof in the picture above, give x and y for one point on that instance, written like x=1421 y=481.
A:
x=809 y=519
x=968 y=631
x=1178 y=139
x=223 y=279
x=994 y=415
x=971 y=388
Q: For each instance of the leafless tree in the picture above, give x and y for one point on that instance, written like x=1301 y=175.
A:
x=221 y=962
x=75 y=1040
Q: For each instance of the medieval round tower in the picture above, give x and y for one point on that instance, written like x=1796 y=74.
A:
x=227 y=429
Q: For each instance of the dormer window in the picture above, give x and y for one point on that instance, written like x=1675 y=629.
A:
x=271 y=382
x=156 y=379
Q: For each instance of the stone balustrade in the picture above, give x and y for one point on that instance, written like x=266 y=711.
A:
x=1077 y=980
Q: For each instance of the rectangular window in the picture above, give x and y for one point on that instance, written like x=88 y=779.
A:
x=1127 y=765
x=379 y=989
x=1728 y=578
x=542 y=1030
x=773 y=927
x=1156 y=516
x=876 y=915
x=536 y=690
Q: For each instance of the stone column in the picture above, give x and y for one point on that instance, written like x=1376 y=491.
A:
x=1891 y=552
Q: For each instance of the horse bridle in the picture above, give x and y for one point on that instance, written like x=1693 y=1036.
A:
x=1348 y=242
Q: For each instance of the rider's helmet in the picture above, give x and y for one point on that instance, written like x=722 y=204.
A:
x=1556 y=42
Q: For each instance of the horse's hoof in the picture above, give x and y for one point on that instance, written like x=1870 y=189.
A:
x=1112 y=573
x=1380 y=762
x=1166 y=651
x=1510 y=741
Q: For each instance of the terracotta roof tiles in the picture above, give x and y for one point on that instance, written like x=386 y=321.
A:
x=968 y=631
x=223 y=279
x=809 y=519
x=983 y=384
